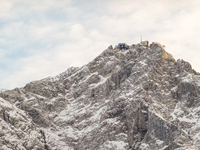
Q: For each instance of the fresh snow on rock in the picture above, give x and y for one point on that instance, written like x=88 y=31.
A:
x=140 y=98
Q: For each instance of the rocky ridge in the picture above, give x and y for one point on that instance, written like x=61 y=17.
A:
x=140 y=98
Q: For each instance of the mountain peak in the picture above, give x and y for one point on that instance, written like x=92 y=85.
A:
x=129 y=97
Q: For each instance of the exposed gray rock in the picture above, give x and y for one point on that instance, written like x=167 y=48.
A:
x=140 y=98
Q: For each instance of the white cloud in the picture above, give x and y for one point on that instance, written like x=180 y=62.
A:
x=42 y=38
x=5 y=9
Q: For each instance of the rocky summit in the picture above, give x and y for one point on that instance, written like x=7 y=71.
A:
x=139 y=98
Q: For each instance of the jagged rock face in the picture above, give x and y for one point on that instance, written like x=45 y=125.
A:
x=17 y=131
x=140 y=98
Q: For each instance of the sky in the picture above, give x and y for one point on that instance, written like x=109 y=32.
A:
x=42 y=38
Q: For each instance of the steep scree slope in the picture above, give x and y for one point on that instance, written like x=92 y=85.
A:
x=140 y=98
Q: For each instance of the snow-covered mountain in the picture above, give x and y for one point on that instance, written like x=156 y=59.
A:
x=138 y=99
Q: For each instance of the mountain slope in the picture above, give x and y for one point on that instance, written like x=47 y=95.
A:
x=140 y=98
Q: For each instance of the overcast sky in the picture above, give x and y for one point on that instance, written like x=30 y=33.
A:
x=41 y=38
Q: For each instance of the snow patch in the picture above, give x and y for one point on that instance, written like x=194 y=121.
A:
x=159 y=142
x=102 y=81
x=97 y=114
x=174 y=89
x=164 y=147
x=144 y=145
x=143 y=63
x=95 y=73
x=187 y=78
x=117 y=145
